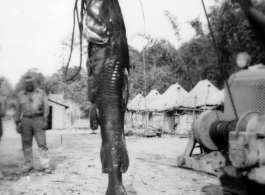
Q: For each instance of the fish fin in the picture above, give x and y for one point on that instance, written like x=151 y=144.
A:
x=94 y=119
x=103 y=159
x=124 y=158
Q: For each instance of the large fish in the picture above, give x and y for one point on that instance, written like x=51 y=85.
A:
x=108 y=66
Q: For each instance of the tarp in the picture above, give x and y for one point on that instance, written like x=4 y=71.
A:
x=170 y=99
x=135 y=103
x=217 y=99
x=200 y=94
x=156 y=120
x=184 y=124
x=151 y=97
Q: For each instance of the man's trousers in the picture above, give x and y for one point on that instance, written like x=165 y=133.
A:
x=33 y=127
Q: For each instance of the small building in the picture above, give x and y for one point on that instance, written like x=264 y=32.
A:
x=57 y=111
x=162 y=109
x=73 y=114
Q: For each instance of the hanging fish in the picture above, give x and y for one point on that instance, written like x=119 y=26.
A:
x=108 y=67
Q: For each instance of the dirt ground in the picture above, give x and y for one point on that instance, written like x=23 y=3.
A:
x=77 y=168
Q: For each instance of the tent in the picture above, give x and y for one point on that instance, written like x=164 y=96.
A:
x=151 y=97
x=200 y=94
x=135 y=103
x=217 y=99
x=133 y=118
x=170 y=99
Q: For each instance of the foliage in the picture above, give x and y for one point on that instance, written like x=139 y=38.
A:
x=159 y=56
x=75 y=90
x=197 y=58
x=5 y=87
x=165 y=65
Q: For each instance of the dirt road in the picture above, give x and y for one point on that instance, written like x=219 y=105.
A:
x=77 y=168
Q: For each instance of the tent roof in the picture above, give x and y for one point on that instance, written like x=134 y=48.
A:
x=135 y=103
x=217 y=99
x=170 y=99
x=200 y=94
x=151 y=97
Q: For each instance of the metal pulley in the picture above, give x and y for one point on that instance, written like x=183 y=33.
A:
x=211 y=130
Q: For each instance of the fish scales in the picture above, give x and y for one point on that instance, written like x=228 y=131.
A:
x=108 y=67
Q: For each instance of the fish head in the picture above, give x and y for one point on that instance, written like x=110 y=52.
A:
x=103 y=17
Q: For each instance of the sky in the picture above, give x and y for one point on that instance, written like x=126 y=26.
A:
x=32 y=31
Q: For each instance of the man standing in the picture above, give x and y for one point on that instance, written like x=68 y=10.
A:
x=31 y=119
x=2 y=108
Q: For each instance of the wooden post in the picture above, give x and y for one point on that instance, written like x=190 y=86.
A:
x=194 y=115
x=137 y=120
x=126 y=123
x=174 y=125
x=163 y=118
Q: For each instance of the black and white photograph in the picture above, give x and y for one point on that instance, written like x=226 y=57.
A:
x=132 y=97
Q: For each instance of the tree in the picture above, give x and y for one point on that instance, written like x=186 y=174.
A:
x=159 y=56
x=75 y=90
x=233 y=34
x=5 y=87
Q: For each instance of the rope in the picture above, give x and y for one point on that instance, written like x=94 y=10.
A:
x=219 y=60
x=144 y=59
x=80 y=27
x=231 y=98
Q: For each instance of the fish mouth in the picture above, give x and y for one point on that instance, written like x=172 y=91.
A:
x=94 y=32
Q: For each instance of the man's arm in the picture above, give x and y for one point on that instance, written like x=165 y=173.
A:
x=18 y=111
x=46 y=106
x=3 y=107
x=46 y=112
x=18 y=116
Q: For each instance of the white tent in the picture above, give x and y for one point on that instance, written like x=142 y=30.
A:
x=217 y=99
x=135 y=103
x=200 y=94
x=151 y=97
x=170 y=99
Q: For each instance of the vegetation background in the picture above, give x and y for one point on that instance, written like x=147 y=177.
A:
x=193 y=61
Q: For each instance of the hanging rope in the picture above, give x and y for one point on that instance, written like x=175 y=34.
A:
x=144 y=60
x=219 y=60
x=80 y=27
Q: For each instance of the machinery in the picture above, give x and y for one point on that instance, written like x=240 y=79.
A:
x=232 y=143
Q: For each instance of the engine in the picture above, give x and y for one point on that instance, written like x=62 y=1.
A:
x=232 y=141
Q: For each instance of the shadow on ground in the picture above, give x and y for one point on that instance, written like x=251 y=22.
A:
x=212 y=189
x=130 y=190
x=55 y=161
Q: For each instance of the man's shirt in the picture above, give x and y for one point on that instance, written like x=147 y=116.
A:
x=2 y=106
x=31 y=103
